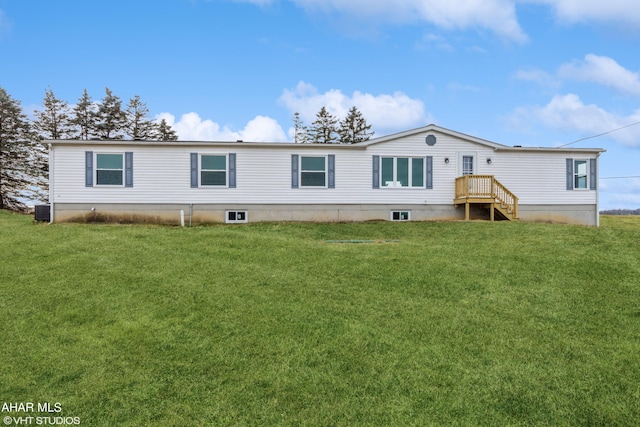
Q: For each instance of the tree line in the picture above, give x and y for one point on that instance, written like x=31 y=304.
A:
x=106 y=119
x=327 y=129
x=24 y=168
x=24 y=165
x=621 y=212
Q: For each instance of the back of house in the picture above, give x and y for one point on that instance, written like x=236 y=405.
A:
x=430 y=173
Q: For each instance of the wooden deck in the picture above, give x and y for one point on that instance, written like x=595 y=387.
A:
x=486 y=190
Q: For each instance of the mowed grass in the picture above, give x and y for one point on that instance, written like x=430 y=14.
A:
x=451 y=323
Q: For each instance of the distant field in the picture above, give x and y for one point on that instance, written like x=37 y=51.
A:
x=434 y=323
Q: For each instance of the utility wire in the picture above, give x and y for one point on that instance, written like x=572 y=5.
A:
x=600 y=134
x=620 y=177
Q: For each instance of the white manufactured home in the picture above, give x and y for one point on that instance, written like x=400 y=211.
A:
x=430 y=173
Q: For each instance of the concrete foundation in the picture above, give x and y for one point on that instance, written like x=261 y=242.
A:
x=215 y=213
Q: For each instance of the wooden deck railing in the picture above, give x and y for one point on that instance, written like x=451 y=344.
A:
x=477 y=188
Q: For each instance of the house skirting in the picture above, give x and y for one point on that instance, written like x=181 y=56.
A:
x=194 y=214
x=559 y=214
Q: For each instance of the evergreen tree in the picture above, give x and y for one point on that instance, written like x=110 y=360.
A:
x=324 y=129
x=54 y=120
x=300 y=131
x=354 y=128
x=164 y=132
x=84 y=117
x=138 y=125
x=22 y=162
x=110 y=119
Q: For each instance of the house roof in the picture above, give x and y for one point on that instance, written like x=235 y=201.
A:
x=429 y=129
x=435 y=129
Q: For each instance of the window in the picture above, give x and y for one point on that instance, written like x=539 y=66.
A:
x=402 y=172
x=580 y=175
x=467 y=165
x=400 y=215
x=213 y=170
x=313 y=171
x=109 y=169
x=234 y=217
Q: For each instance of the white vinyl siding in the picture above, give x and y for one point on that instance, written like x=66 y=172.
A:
x=264 y=173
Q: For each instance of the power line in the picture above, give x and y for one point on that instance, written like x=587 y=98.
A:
x=600 y=134
x=620 y=177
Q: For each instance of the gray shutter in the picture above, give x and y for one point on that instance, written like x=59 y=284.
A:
x=232 y=170
x=331 y=159
x=376 y=172
x=429 y=172
x=569 y=174
x=194 y=170
x=128 y=169
x=294 y=171
x=593 y=174
x=88 y=166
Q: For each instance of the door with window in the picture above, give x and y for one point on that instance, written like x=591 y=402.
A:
x=467 y=164
x=468 y=167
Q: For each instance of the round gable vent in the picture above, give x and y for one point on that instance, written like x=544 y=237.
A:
x=431 y=140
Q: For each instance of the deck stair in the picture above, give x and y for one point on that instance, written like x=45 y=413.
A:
x=487 y=191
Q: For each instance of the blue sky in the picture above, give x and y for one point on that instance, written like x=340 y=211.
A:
x=527 y=72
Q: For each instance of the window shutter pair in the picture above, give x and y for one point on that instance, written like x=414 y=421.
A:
x=593 y=174
x=232 y=170
x=128 y=169
x=295 y=171
x=376 y=172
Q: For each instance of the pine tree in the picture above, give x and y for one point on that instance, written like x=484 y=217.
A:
x=300 y=131
x=323 y=129
x=110 y=119
x=354 y=128
x=164 y=132
x=138 y=125
x=54 y=120
x=22 y=162
x=84 y=117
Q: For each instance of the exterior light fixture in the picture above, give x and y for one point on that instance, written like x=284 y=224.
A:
x=488 y=160
x=446 y=160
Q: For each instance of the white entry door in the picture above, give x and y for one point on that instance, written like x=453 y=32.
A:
x=467 y=164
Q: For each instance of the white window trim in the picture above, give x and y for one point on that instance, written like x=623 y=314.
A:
x=226 y=170
x=95 y=170
x=236 y=221
x=326 y=172
x=575 y=174
x=400 y=211
x=473 y=154
x=396 y=183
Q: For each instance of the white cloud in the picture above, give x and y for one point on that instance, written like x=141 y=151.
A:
x=4 y=23
x=603 y=70
x=433 y=40
x=191 y=127
x=572 y=11
x=568 y=112
x=384 y=112
x=499 y=16
x=538 y=76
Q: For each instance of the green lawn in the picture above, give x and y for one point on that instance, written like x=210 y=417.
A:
x=446 y=323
